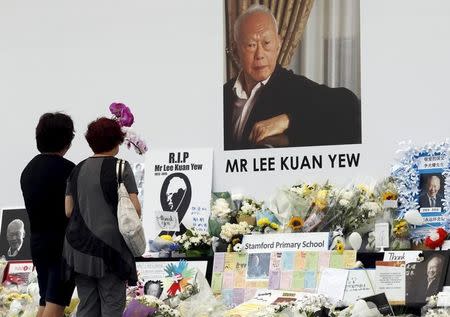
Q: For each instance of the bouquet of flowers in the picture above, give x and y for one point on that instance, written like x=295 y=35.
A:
x=386 y=190
x=264 y=225
x=232 y=234
x=194 y=243
x=293 y=205
x=303 y=207
x=322 y=199
x=16 y=303
x=122 y=114
x=355 y=209
x=143 y=306
x=248 y=208
x=221 y=212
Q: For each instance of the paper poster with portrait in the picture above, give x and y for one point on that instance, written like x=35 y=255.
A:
x=15 y=234
x=258 y=266
x=153 y=274
x=423 y=179
x=177 y=191
x=292 y=74
x=139 y=175
x=426 y=278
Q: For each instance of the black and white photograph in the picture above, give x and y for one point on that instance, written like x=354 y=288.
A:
x=431 y=190
x=258 y=266
x=153 y=288
x=425 y=278
x=15 y=235
x=293 y=74
x=139 y=176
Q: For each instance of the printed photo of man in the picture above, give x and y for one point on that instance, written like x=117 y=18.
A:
x=15 y=233
x=431 y=193
x=15 y=239
x=267 y=105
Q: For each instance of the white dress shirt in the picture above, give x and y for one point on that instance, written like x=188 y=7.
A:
x=243 y=105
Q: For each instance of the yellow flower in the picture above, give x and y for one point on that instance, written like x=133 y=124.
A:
x=363 y=188
x=166 y=237
x=296 y=223
x=73 y=304
x=340 y=247
x=25 y=297
x=400 y=229
x=321 y=199
x=274 y=226
x=388 y=195
x=263 y=222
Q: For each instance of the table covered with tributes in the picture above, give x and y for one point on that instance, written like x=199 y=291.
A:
x=286 y=283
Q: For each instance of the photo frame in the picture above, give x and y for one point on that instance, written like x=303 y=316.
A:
x=422 y=175
x=15 y=234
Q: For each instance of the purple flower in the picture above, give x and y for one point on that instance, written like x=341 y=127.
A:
x=135 y=308
x=116 y=108
x=126 y=118
x=132 y=139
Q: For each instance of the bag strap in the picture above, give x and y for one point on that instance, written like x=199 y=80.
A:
x=119 y=170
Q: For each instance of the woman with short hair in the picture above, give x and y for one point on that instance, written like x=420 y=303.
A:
x=43 y=183
x=94 y=250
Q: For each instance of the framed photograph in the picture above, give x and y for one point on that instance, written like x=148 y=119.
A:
x=423 y=179
x=15 y=234
x=426 y=278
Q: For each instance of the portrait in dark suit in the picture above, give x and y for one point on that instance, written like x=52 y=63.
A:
x=267 y=105
x=432 y=191
x=15 y=235
x=426 y=278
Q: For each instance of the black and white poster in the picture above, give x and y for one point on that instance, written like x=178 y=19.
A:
x=426 y=278
x=177 y=191
x=15 y=234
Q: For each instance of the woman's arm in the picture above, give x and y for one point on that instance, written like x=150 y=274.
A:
x=137 y=205
x=69 y=206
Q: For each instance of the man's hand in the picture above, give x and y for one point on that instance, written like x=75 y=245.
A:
x=269 y=127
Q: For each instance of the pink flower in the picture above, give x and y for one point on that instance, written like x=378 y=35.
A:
x=116 y=108
x=132 y=139
x=126 y=118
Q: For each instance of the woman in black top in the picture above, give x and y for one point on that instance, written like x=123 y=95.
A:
x=43 y=183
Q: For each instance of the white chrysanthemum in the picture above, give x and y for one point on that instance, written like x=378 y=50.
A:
x=347 y=195
x=344 y=202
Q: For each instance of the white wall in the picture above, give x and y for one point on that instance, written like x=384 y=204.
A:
x=165 y=60
x=162 y=58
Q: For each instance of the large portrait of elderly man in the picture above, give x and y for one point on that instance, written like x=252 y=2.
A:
x=292 y=73
x=15 y=235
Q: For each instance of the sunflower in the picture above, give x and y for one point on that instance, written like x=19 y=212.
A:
x=388 y=195
x=340 y=247
x=296 y=223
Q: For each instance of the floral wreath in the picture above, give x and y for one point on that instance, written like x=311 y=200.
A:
x=407 y=177
x=123 y=115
